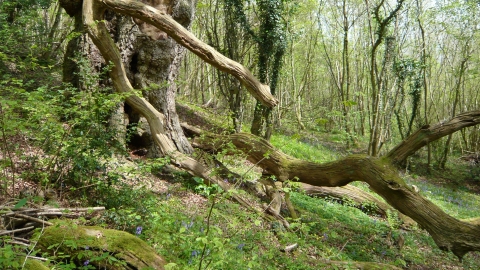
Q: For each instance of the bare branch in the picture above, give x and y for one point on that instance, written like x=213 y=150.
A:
x=427 y=134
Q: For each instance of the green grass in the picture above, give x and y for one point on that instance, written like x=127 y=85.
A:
x=458 y=203
x=291 y=146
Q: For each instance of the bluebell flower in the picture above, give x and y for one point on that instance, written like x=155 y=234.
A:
x=86 y=262
x=187 y=226
x=194 y=253
x=139 y=230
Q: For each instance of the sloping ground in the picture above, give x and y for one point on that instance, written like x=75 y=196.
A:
x=345 y=233
x=187 y=229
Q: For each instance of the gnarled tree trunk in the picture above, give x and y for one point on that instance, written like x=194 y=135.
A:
x=449 y=233
x=152 y=60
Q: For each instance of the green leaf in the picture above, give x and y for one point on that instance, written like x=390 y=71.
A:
x=20 y=203
x=170 y=266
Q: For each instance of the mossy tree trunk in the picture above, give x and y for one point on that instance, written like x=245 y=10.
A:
x=92 y=243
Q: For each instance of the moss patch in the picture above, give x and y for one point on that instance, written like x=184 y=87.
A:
x=102 y=247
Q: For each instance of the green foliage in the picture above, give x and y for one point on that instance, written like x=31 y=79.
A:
x=393 y=220
x=70 y=126
x=409 y=71
x=11 y=258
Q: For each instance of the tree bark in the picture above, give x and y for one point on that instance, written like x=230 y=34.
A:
x=154 y=60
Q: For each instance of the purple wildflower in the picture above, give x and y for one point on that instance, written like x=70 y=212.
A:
x=187 y=226
x=139 y=230
x=86 y=262
x=240 y=246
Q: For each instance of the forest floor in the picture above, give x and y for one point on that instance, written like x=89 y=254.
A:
x=191 y=225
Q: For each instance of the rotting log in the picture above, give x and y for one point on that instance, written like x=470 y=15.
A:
x=348 y=192
x=130 y=251
x=449 y=233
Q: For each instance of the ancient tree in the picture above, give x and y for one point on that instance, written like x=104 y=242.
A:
x=449 y=233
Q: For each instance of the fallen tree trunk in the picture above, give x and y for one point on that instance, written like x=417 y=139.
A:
x=450 y=234
x=91 y=244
